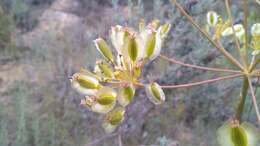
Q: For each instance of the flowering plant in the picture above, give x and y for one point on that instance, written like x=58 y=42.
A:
x=112 y=85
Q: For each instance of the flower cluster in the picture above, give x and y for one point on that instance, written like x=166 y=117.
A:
x=111 y=86
x=224 y=29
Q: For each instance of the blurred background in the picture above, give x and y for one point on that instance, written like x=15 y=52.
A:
x=43 y=42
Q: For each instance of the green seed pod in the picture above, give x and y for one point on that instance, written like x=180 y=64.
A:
x=85 y=84
x=105 y=69
x=106 y=96
x=91 y=102
x=86 y=81
x=126 y=95
x=103 y=48
x=234 y=134
x=116 y=116
x=150 y=44
x=212 y=18
x=155 y=93
x=238 y=136
x=103 y=109
x=132 y=48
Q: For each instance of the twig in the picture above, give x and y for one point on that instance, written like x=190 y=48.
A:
x=201 y=82
x=245 y=7
x=254 y=99
x=206 y=35
x=198 y=67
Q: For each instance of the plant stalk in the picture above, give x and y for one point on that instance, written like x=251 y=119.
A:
x=172 y=60
x=243 y=94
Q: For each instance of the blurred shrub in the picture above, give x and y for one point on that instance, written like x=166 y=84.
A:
x=6 y=29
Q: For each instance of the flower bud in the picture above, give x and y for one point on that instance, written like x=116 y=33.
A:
x=85 y=84
x=155 y=93
x=113 y=118
x=126 y=95
x=212 y=18
x=103 y=48
x=255 y=29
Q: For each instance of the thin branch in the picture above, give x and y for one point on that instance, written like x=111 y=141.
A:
x=206 y=35
x=201 y=82
x=251 y=104
x=172 y=60
x=245 y=7
x=234 y=34
x=254 y=100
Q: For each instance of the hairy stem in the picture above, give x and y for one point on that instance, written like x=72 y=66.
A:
x=242 y=100
x=207 y=36
x=172 y=60
x=201 y=82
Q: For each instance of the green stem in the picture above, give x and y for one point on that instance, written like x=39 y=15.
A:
x=241 y=103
